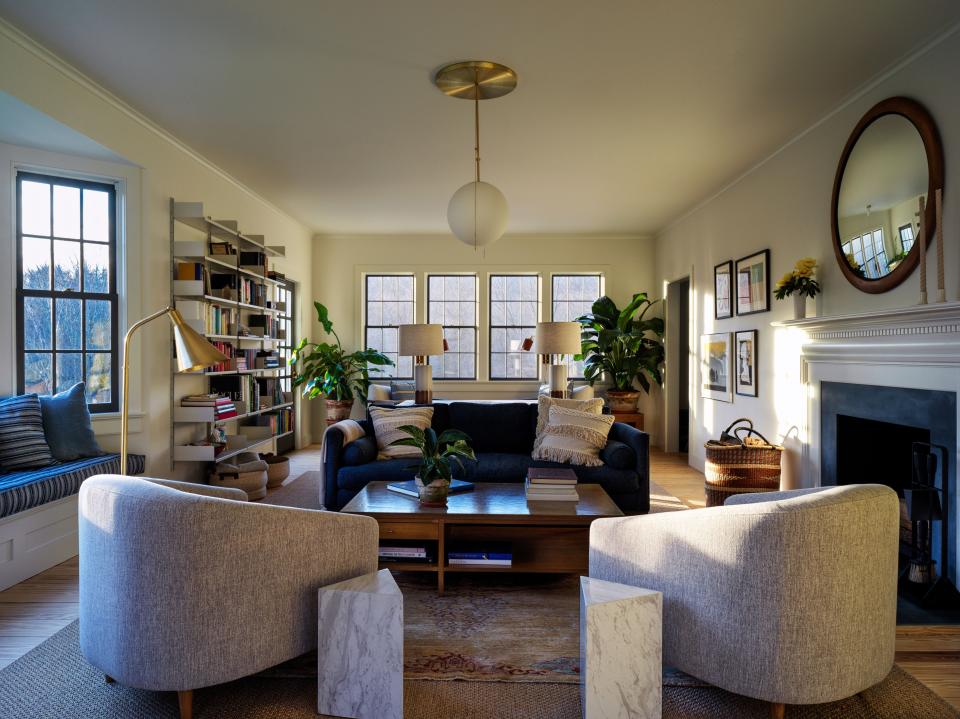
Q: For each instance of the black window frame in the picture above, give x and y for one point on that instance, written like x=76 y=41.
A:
x=367 y=326
x=491 y=327
x=112 y=295
x=553 y=301
x=475 y=327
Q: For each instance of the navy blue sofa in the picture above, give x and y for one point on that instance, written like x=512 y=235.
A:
x=502 y=436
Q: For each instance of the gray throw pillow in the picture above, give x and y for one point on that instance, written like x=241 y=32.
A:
x=67 y=426
x=22 y=444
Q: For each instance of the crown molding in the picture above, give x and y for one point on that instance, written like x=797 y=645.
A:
x=518 y=236
x=27 y=43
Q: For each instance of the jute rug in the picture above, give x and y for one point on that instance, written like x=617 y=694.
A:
x=54 y=682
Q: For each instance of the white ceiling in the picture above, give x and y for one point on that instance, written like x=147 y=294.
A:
x=626 y=114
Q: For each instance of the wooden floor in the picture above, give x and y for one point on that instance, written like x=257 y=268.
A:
x=36 y=609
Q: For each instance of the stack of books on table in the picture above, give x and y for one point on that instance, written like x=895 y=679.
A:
x=402 y=553
x=546 y=484
x=223 y=407
x=492 y=555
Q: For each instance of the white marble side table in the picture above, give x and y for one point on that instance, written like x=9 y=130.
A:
x=621 y=651
x=360 y=648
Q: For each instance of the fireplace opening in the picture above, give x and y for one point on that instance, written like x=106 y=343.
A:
x=872 y=452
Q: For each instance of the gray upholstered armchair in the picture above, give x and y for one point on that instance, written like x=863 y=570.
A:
x=787 y=597
x=186 y=589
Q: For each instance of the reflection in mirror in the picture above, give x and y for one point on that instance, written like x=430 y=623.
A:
x=878 y=208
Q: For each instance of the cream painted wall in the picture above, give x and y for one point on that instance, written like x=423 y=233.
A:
x=340 y=262
x=784 y=204
x=167 y=169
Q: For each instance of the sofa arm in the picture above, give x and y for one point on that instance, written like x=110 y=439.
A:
x=333 y=461
x=205 y=490
x=640 y=443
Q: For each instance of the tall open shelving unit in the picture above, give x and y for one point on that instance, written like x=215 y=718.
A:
x=248 y=311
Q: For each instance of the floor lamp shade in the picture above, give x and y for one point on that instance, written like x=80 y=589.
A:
x=420 y=342
x=552 y=341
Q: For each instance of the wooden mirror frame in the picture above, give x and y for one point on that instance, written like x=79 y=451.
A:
x=921 y=119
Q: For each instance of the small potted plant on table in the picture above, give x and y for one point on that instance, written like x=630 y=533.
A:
x=435 y=470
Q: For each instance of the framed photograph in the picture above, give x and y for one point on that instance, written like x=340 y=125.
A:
x=716 y=381
x=723 y=300
x=745 y=354
x=753 y=283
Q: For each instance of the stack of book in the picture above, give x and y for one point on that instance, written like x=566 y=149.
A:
x=494 y=555
x=223 y=407
x=401 y=553
x=546 y=484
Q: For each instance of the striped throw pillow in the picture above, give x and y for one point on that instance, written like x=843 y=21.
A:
x=574 y=437
x=386 y=424
x=22 y=443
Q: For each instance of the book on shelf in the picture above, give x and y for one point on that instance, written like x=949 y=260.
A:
x=222 y=248
x=404 y=553
x=494 y=554
x=409 y=487
x=191 y=271
x=551 y=475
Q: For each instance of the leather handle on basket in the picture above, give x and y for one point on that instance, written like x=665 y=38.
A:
x=728 y=437
x=750 y=432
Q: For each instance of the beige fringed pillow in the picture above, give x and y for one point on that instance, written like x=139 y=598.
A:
x=574 y=437
x=544 y=403
x=386 y=424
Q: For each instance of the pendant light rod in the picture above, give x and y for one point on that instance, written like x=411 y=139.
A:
x=476 y=120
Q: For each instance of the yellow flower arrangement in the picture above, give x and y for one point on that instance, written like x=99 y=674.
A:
x=799 y=280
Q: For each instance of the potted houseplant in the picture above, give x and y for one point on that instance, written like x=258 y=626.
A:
x=800 y=283
x=327 y=369
x=623 y=346
x=435 y=470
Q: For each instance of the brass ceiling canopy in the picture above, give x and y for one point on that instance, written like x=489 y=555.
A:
x=476 y=80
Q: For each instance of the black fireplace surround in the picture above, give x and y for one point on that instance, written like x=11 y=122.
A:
x=866 y=432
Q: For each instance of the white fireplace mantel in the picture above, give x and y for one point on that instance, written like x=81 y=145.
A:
x=913 y=347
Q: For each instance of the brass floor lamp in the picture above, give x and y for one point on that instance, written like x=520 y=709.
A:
x=194 y=352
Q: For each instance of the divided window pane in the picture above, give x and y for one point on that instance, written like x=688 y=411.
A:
x=66 y=287
x=389 y=302
x=514 y=313
x=452 y=302
x=573 y=297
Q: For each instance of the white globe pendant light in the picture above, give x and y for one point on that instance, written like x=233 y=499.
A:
x=477 y=213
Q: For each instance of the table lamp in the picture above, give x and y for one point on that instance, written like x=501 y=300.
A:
x=552 y=341
x=420 y=342
x=193 y=353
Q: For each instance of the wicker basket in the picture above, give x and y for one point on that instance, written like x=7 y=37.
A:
x=253 y=482
x=278 y=469
x=739 y=468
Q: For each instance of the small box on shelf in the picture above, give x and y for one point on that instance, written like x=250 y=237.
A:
x=189 y=288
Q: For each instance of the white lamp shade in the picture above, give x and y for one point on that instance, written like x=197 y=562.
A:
x=421 y=340
x=557 y=338
x=477 y=214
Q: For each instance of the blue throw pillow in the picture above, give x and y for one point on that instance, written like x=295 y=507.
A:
x=618 y=455
x=66 y=424
x=22 y=444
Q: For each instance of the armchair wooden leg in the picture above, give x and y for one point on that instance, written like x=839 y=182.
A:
x=777 y=711
x=110 y=679
x=186 y=704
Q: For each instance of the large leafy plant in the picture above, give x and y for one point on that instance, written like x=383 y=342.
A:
x=621 y=344
x=438 y=452
x=327 y=369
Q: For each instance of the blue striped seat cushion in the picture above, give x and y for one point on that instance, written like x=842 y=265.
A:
x=31 y=488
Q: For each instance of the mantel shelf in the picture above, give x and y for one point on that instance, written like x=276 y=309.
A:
x=926 y=315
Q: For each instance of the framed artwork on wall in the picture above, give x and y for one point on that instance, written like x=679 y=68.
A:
x=753 y=283
x=722 y=284
x=716 y=381
x=745 y=354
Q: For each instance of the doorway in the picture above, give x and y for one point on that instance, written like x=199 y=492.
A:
x=677 y=400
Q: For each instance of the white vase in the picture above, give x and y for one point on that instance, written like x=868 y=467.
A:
x=799 y=306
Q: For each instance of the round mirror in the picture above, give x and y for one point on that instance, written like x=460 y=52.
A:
x=892 y=159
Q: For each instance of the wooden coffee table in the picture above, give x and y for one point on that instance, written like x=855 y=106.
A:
x=545 y=536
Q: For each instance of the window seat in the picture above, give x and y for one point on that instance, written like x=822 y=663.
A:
x=20 y=491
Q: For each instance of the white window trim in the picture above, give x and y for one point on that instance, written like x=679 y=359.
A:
x=127 y=178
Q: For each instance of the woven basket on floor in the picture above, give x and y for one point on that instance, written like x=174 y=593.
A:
x=278 y=469
x=737 y=468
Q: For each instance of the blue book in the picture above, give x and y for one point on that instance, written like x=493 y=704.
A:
x=409 y=487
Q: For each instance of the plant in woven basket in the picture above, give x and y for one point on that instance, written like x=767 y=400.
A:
x=435 y=470
x=326 y=369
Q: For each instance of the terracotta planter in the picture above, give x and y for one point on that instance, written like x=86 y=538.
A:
x=433 y=494
x=338 y=409
x=622 y=401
